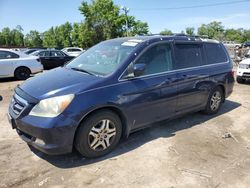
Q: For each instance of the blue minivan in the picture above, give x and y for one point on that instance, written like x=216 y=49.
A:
x=119 y=86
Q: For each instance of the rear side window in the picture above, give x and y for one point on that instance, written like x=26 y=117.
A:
x=56 y=54
x=215 y=53
x=188 y=55
x=8 y=55
x=44 y=54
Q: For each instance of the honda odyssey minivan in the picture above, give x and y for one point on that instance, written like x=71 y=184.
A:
x=119 y=86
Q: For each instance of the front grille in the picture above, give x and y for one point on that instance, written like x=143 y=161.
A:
x=18 y=104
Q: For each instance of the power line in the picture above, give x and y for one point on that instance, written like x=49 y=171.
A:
x=190 y=7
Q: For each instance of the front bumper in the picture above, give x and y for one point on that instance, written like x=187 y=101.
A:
x=49 y=135
x=243 y=73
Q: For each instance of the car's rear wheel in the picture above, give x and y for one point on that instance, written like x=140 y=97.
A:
x=214 y=101
x=22 y=73
x=98 y=134
x=240 y=80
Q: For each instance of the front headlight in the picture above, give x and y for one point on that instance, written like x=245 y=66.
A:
x=51 y=107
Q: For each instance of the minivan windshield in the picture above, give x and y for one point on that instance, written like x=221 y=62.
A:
x=103 y=58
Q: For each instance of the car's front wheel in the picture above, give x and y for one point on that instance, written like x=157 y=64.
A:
x=240 y=80
x=98 y=134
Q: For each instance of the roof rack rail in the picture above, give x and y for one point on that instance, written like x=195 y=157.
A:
x=152 y=34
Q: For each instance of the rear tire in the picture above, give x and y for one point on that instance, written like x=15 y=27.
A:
x=22 y=73
x=215 y=99
x=98 y=134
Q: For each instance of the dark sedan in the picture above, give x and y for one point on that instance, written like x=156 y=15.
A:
x=52 y=58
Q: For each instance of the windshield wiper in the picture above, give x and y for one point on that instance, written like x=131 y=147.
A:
x=82 y=70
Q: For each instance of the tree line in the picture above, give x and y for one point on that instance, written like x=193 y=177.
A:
x=104 y=20
x=215 y=30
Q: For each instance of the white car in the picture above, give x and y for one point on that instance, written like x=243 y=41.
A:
x=243 y=71
x=73 y=51
x=231 y=44
x=17 y=64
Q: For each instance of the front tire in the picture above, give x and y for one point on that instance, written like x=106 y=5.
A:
x=98 y=134
x=240 y=80
x=22 y=73
x=214 y=101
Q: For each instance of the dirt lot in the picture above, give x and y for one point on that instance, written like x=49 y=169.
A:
x=193 y=151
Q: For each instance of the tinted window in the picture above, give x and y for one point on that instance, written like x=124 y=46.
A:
x=157 y=59
x=188 y=55
x=215 y=53
x=8 y=55
x=56 y=54
x=44 y=54
x=74 y=50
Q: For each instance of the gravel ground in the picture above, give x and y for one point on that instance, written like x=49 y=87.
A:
x=193 y=151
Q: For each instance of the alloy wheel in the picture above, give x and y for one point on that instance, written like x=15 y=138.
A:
x=102 y=135
x=215 y=101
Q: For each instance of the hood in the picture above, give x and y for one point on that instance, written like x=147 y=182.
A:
x=59 y=81
x=245 y=61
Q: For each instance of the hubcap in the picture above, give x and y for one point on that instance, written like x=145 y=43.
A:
x=102 y=135
x=215 y=101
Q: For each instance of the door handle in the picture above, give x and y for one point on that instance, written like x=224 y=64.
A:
x=167 y=81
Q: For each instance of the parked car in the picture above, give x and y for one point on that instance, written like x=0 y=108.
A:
x=31 y=50
x=243 y=71
x=73 y=51
x=117 y=87
x=17 y=64
x=231 y=44
x=246 y=44
x=52 y=58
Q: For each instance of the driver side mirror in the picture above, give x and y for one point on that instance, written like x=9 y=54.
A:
x=139 y=69
x=135 y=70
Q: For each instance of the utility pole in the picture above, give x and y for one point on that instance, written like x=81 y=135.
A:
x=126 y=10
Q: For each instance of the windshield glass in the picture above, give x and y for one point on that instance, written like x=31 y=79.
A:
x=103 y=58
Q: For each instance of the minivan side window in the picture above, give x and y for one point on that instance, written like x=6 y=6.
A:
x=157 y=59
x=187 y=55
x=215 y=53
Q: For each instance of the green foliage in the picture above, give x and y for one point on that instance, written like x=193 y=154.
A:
x=103 y=21
x=49 y=38
x=190 y=31
x=33 y=39
x=166 y=32
x=212 y=30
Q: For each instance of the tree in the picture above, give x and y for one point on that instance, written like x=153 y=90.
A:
x=166 y=32
x=63 y=35
x=17 y=37
x=6 y=36
x=33 y=39
x=212 y=30
x=103 y=21
x=49 y=38
x=190 y=31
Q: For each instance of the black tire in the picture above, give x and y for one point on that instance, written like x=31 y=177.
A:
x=211 y=108
x=240 y=80
x=84 y=137
x=22 y=73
